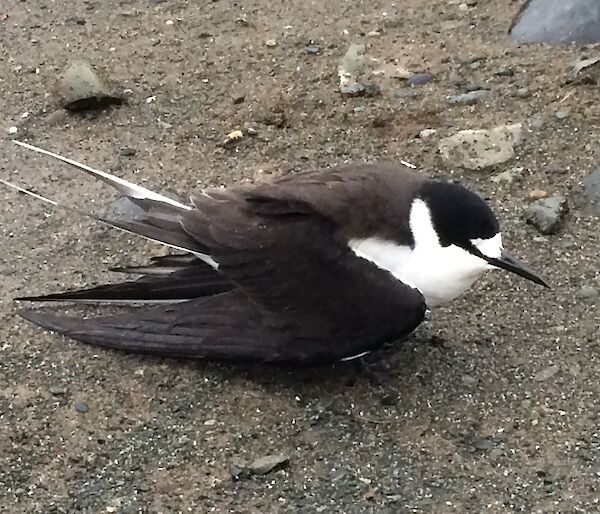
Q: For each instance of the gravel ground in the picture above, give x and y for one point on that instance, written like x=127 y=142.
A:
x=491 y=406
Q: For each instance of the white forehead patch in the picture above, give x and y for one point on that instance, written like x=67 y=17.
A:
x=491 y=247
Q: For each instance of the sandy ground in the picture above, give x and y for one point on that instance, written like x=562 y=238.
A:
x=491 y=406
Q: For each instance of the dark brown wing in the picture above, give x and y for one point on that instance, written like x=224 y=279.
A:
x=295 y=262
x=300 y=293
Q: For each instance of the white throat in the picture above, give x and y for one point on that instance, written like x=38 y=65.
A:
x=440 y=273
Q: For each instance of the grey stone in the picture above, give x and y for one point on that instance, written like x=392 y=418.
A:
x=522 y=92
x=537 y=123
x=588 y=292
x=469 y=98
x=238 y=470
x=81 y=88
x=57 y=390
x=561 y=115
x=81 y=407
x=127 y=152
x=504 y=71
x=546 y=373
x=472 y=86
x=419 y=79
x=480 y=149
x=547 y=214
x=313 y=49
x=406 y=93
x=484 y=443
x=352 y=89
x=591 y=193
x=586 y=71
x=558 y=21
x=269 y=463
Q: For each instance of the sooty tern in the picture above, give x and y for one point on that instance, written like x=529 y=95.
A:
x=314 y=267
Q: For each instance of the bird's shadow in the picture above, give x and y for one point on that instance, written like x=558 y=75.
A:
x=386 y=372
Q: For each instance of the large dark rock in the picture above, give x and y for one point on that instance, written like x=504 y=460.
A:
x=558 y=21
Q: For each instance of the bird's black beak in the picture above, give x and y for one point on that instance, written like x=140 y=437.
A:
x=509 y=263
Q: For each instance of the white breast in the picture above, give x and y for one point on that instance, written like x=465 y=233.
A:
x=439 y=273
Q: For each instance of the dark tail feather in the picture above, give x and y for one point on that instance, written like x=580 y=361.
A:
x=188 y=283
x=210 y=328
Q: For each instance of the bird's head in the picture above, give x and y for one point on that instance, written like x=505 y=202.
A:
x=456 y=219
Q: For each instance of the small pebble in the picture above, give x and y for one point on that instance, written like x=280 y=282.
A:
x=269 y=463
x=233 y=136
x=546 y=373
x=271 y=43
x=588 y=292
x=127 y=152
x=522 y=92
x=419 y=79
x=469 y=98
x=547 y=214
x=426 y=133
x=13 y=130
x=537 y=194
x=81 y=407
x=352 y=89
x=537 y=123
x=591 y=193
x=313 y=49
x=57 y=390
x=561 y=115
x=504 y=71
x=237 y=471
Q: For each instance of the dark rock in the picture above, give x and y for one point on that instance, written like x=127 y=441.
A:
x=372 y=90
x=558 y=21
x=547 y=214
x=127 y=152
x=238 y=98
x=238 y=471
x=591 y=193
x=269 y=463
x=419 y=79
